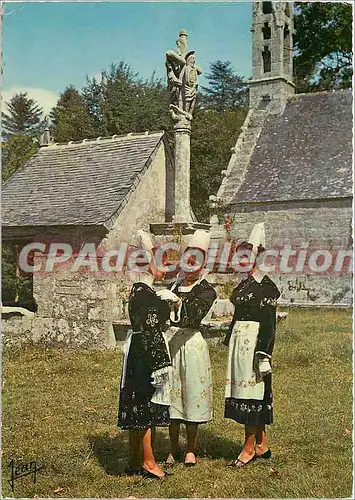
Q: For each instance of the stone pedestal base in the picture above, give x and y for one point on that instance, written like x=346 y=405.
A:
x=172 y=228
x=176 y=232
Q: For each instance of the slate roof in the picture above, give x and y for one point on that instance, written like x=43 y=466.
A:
x=305 y=154
x=81 y=183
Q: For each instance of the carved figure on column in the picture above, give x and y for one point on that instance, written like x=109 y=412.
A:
x=174 y=63
x=190 y=84
x=182 y=74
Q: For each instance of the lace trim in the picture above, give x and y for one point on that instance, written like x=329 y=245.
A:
x=175 y=313
x=161 y=372
x=268 y=356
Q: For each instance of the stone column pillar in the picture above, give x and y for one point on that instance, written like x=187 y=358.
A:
x=182 y=131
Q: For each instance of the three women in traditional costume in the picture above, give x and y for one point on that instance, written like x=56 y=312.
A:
x=167 y=377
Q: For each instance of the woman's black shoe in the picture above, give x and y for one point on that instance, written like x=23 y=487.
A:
x=238 y=464
x=150 y=475
x=267 y=454
x=132 y=471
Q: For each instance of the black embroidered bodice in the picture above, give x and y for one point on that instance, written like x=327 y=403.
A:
x=147 y=312
x=148 y=315
x=256 y=301
x=195 y=304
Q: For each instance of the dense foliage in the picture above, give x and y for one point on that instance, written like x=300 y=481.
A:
x=323 y=46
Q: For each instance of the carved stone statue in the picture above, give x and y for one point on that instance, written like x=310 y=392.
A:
x=174 y=62
x=182 y=76
x=190 y=83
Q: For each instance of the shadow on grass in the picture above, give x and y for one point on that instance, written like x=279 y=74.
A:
x=112 y=453
x=213 y=446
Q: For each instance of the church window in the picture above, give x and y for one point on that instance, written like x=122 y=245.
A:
x=265 y=100
x=266 y=31
x=267 y=7
x=267 y=59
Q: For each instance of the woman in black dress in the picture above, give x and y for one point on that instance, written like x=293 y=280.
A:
x=251 y=337
x=144 y=395
x=191 y=380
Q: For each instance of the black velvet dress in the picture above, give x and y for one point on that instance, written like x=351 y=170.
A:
x=254 y=302
x=195 y=304
x=147 y=354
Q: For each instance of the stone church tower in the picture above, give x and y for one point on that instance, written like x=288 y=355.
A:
x=272 y=29
x=291 y=168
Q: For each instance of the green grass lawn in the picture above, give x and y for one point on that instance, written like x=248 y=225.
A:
x=59 y=407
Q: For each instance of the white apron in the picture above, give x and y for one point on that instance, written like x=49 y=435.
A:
x=161 y=378
x=241 y=379
x=191 y=377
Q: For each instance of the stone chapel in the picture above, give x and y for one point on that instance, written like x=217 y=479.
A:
x=291 y=166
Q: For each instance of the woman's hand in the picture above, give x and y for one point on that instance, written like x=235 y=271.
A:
x=264 y=367
x=169 y=296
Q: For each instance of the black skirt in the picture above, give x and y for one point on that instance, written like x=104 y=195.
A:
x=133 y=414
x=135 y=409
x=251 y=412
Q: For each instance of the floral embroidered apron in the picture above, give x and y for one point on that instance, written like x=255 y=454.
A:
x=241 y=382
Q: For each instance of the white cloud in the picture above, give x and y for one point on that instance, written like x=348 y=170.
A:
x=47 y=99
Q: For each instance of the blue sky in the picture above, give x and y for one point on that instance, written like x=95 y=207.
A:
x=50 y=45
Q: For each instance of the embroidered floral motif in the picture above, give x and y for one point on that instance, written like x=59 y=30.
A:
x=242 y=383
x=244 y=351
x=247 y=407
x=152 y=319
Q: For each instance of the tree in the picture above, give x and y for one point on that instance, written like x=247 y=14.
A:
x=23 y=116
x=323 y=46
x=213 y=135
x=219 y=116
x=225 y=89
x=71 y=120
x=92 y=95
x=17 y=286
x=15 y=153
x=122 y=102
x=22 y=127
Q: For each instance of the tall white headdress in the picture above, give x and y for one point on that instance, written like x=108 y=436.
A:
x=200 y=239
x=257 y=236
x=145 y=242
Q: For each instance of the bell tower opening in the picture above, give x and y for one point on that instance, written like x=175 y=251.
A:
x=267 y=7
x=272 y=31
x=266 y=31
x=266 y=60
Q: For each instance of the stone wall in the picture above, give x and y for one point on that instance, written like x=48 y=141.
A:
x=321 y=224
x=86 y=309
x=149 y=202
x=318 y=222
x=76 y=309
x=73 y=309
